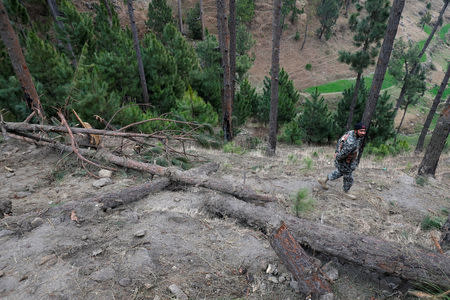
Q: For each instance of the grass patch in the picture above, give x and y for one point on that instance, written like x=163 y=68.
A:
x=435 y=89
x=308 y=163
x=343 y=84
x=435 y=222
x=302 y=201
x=427 y=29
x=444 y=31
x=232 y=148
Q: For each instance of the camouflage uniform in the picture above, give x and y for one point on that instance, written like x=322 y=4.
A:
x=346 y=155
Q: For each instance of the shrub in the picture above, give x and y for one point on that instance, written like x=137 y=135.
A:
x=194 y=23
x=192 y=108
x=245 y=11
x=428 y=5
x=383 y=150
x=291 y=133
x=302 y=202
x=297 y=36
x=432 y=222
x=421 y=180
x=308 y=67
x=233 y=148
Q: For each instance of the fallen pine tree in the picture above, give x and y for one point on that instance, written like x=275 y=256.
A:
x=405 y=261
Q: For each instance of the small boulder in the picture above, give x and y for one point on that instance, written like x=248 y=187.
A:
x=37 y=222
x=105 y=173
x=125 y=281
x=101 y=182
x=179 y=294
x=103 y=274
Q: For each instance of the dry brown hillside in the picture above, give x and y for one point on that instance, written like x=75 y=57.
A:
x=322 y=55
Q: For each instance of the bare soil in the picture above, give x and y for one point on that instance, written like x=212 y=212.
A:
x=101 y=256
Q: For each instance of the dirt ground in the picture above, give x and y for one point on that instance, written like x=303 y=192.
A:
x=139 y=250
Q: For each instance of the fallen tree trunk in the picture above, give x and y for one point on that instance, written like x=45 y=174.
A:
x=299 y=263
x=404 y=261
x=18 y=127
x=242 y=192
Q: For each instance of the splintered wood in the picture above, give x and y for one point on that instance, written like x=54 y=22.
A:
x=299 y=263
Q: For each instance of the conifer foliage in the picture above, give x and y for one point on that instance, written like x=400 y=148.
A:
x=316 y=121
x=288 y=97
x=159 y=14
x=328 y=12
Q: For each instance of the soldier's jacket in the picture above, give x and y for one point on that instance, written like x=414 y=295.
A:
x=347 y=150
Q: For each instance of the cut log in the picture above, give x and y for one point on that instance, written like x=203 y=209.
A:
x=299 y=263
x=129 y=195
x=242 y=192
x=405 y=261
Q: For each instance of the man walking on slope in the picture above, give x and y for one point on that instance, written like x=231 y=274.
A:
x=346 y=158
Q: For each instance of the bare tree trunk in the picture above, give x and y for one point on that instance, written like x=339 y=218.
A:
x=400 y=125
x=382 y=64
x=201 y=19
x=304 y=38
x=435 y=27
x=430 y=160
x=224 y=37
x=138 y=52
x=422 y=52
x=432 y=111
x=405 y=261
x=275 y=72
x=18 y=62
x=351 y=110
x=180 y=17
x=55 y=14
x=401 y=96
x=108 y=9
x=232 y=29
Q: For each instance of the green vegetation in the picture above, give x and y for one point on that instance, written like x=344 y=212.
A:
x=435 y=89
x=308 y=163
x=308 y=67
x=443 y=32
x=432 y=222
x=427 y=29
x=231 y=147
x=302 y=202
x=343 y=84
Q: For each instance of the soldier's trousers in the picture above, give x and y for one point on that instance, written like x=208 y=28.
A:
x=348 y=178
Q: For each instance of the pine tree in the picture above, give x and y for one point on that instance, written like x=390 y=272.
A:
x=19 y=65
x=244 y=60
x=368 y=29
x=184 y=54
x=194 y=22
x=405 y=56
x=159 y=14
x=316 y=120
x=328 y=12
x=51 y=69
x=163 y=82
x=438 y=139
x=382 y=127
x=343 y=107
x=77 y=27
x=245 y=103
x=288 y=97
x=207 y=81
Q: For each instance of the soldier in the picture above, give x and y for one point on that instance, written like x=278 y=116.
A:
x=346 y=161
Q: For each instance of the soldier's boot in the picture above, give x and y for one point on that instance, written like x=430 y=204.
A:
x=323 y=182
x=350 y=196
